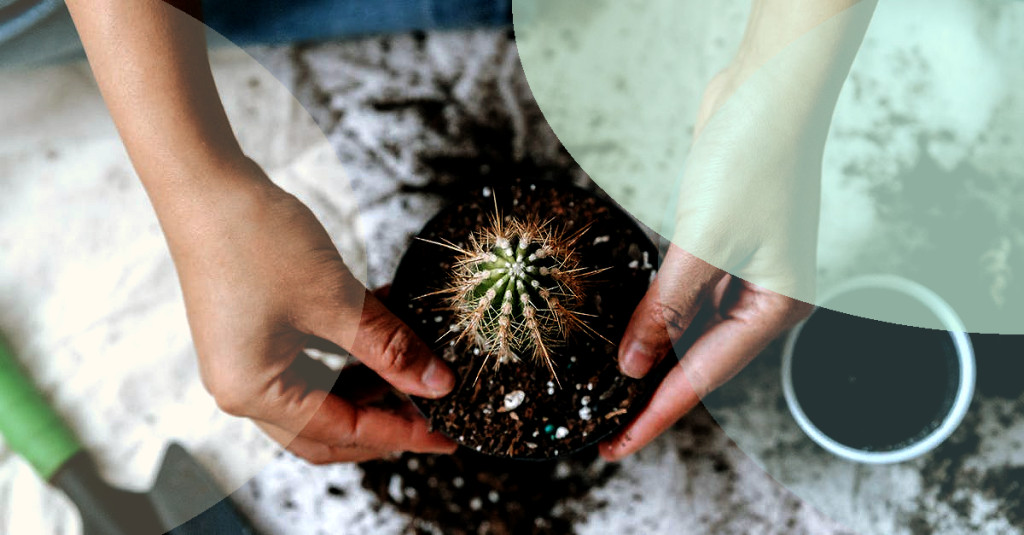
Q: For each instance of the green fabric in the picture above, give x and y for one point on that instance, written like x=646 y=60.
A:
x=29 y=426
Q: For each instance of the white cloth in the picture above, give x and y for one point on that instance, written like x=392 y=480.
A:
x=88 y=294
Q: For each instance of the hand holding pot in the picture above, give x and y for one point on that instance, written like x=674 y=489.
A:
x=259 y=274
x=741 y=268
x=261 y=277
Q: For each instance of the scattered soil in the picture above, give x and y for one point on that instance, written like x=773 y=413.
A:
x=1007 y=484
x=469 y=493
x=521 y=410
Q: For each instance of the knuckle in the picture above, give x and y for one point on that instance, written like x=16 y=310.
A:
x=318 y=456
x=793 y=311
x=329 y=284
x=700 y=383
x=395 y=356
x=675 y=319
x=232 y=402
x=330 y=300
x=230 y=396
x=340 y=293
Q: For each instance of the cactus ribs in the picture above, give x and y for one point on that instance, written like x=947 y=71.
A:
x=517 y=288
x=527 y=308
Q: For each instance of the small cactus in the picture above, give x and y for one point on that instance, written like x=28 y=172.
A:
x=516 y=289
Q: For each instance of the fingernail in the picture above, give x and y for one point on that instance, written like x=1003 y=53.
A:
x=636 y=361
x=438 y=378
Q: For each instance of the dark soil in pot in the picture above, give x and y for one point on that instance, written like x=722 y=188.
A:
x=520 y=410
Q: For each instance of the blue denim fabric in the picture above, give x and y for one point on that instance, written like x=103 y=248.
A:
x=272 y=21
x=41 y=31
x=34 y=31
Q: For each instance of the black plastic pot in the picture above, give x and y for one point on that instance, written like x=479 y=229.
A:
x=590 y=398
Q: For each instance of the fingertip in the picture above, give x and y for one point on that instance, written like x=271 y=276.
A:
x=437 y=379
x=442 y=444
x=620 y=445
x=607 y=452
x=636 y=360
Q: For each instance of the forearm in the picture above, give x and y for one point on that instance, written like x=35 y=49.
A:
x=151 y=64
x=775 y=24
x=801 y=52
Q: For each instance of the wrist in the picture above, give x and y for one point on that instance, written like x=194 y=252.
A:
x=164 y=167
x=203 y=200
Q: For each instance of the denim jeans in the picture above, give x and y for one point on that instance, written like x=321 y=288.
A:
x=274 y=21
x=41 y=31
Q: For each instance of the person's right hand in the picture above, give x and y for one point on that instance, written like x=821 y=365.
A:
x=261 y=279
x=742 y=265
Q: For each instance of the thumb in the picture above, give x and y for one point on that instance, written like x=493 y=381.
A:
x=389 y=347
x=666 y=311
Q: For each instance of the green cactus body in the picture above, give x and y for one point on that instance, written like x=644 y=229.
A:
x=515 y=301
x=516 y=290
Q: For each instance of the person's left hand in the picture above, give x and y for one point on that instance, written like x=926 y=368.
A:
x=748 y=203
x=741 y=320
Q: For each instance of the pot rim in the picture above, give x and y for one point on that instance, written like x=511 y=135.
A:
x=965 y=356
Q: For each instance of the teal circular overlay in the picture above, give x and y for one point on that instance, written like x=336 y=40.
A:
x=879 y=142
x=883 y=139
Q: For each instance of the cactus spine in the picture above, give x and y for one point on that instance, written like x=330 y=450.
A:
x=516 y=290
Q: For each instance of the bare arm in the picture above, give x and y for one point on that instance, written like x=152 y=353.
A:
x=151 y=64
x=259 y=274
x=748 y=205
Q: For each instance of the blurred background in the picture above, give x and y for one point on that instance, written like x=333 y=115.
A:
x=373 y=132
